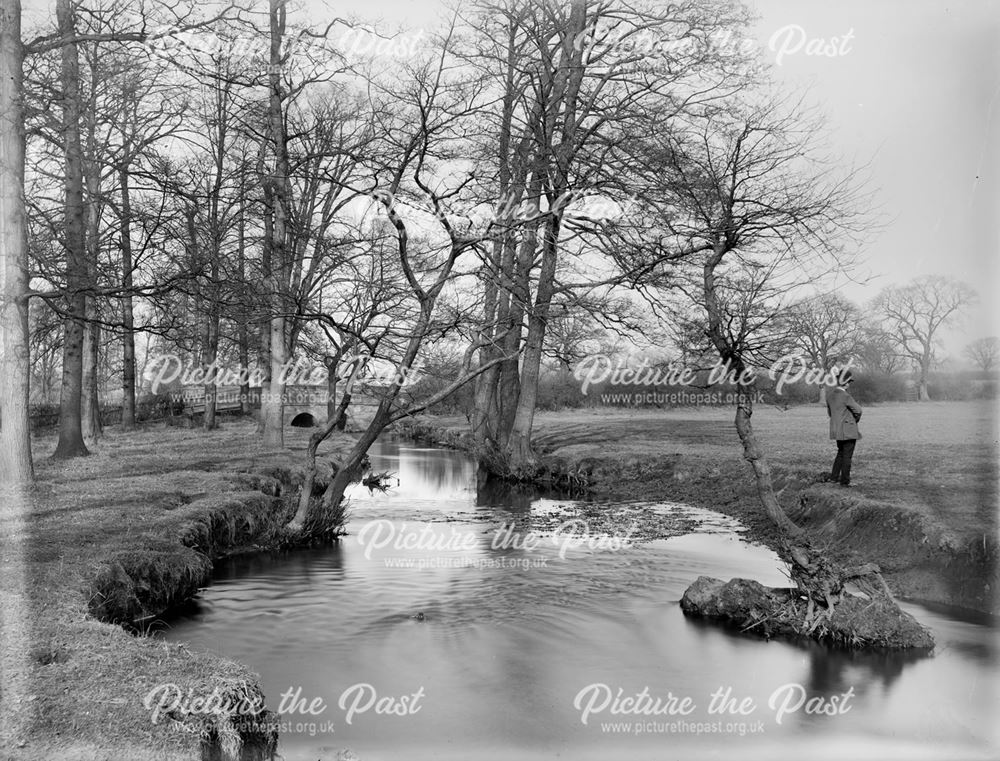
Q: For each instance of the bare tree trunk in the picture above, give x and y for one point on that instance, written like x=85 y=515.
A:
x=305 y=496
x=752 y=452
x=216 y=233
x=264 y=347
x=16 y=467
x=518 y=296
x=558 y=121
x=90 y=403
x=331 y=363
x=337 y=412
x=210 y=345
x=485 y=412
x=128 y=316
x=242 y=332
x=350 y=468
x=15 y=439
x=243 y=348
x=272 y=407
x=483 y=420
x=90 y=413
x=499 y=386
x=271 y=402
x=70 y=442
x=384 y=415
x=340 y=415
x=925 y=368
x=335 y=492
x=209 y=350
x=335 y=421
x=515 y=283
x=519 y=448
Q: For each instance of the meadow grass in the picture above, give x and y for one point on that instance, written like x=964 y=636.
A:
x=939 y=458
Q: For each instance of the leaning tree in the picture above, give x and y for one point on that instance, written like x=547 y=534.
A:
x=748 y=191
x=423 y=122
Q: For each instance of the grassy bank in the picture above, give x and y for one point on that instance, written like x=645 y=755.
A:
x=924 y=502
x=119 y=537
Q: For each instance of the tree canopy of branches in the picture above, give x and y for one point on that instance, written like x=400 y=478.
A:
x=984 y=352
x=570 y=89
x=827 y=329
x=914 y=315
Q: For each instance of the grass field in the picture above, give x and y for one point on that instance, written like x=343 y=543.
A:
x=939 y=458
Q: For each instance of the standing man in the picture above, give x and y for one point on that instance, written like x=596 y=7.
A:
x=844 y=415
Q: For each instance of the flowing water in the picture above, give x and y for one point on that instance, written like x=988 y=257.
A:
x=466 y=622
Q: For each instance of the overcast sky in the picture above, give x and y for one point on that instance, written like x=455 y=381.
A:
x=917 y=93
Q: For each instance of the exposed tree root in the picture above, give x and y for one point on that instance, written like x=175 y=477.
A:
x=380 y=482
x=854 y=622
x=822 y=581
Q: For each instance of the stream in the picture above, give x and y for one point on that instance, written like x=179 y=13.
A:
x=462 y=621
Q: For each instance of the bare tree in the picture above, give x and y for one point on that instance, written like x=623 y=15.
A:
x=277 y=194
x=568 y=95
x=70 y=443
x=575 y=328
x=760 y=203
x=984 y=352
x=914 y=315
x=876 y=348
x=310 y=147
x=149 y=112
x=14 y=382
x=827 y=329
x=214 y=201
x=46 y=348
x=423 y=131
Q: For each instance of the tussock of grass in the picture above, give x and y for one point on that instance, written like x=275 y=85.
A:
x=230 y=521
x=323 y=524
x=136 y=584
